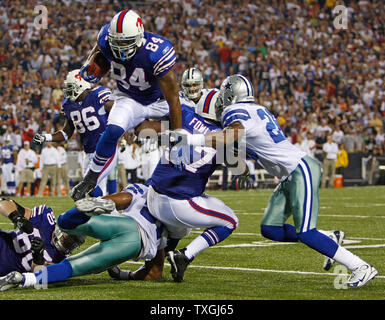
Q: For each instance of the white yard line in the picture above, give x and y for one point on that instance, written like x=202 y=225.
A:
x=257 y=270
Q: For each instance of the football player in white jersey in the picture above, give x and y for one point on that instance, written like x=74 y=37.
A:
x=142 y=65
x=297 y=193
x=132 y=234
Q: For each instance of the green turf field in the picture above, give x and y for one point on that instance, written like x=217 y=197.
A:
x=246 y=266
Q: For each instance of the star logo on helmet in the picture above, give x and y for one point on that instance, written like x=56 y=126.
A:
x=228 y=85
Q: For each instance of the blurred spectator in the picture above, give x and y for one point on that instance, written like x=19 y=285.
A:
x=330 y=149
x=342 y=159
x=26 y=160
x=62 y=171
x=314 y=76
x=49 y=164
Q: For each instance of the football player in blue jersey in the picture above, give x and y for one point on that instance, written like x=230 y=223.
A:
x=134 y=234
x=176 y=194
x=8 y=158
x=86 y=110
x=142 y=65
x=38 y=241
x=297 y=194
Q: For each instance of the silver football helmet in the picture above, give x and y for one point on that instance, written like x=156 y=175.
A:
x=192 y=83
x=234 y=89
x=66 y=243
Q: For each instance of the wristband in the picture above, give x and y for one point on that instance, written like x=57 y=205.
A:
x=196 y=139
x=64 y=135
x=48 y=137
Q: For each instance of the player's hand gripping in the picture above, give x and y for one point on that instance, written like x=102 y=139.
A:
x=37 y=248
x=39 y=139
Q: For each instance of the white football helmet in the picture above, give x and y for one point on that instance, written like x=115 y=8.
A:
x=206 y=107
x=234 y=89
x=125 y=34
x=74 y=85
x=192 y=83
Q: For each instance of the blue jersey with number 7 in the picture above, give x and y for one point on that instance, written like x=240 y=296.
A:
x=138 y=76
x=198 y=162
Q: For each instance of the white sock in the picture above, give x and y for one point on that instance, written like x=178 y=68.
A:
x=348 y=259
x=196 y=246
x=29 y=279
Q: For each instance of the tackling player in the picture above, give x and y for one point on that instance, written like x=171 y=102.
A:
x=300 y=175
x=142 y=65
x=86 y=110
x=134 y=234
x=23 y=250
x=176 y=195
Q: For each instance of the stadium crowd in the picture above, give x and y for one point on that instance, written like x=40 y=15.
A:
x=318 y=80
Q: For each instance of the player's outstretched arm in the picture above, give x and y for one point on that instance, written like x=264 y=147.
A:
x=17 y=214
x=58 y=136
x=151 y=270
x=170 y=91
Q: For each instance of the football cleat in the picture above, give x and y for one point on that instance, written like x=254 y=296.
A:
x=179 y=263
x=95 y=206
x=338 y=237
x=11 y=280
x=361 y=276
x=84 y=187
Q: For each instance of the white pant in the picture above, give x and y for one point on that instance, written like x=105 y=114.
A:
x=149 y=161
x=128 y=113
x=179 y=216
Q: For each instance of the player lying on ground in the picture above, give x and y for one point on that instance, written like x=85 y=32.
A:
x=38 y=242
x=134 y=234
x=86 y=110
x=300 y=175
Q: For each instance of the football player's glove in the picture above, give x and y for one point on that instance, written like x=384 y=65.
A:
x=89 y=78
x=20 y=222
x=84 y=187
x=39 y=139
x=37 y=248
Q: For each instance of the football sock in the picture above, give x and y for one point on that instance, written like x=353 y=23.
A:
x=285 y=233
x=97 y=192
x=52 y=273
x=319 y=242
x=348 y=259
x=208 y=238
x=111 y=186
x=72 y=218
x=106 y=147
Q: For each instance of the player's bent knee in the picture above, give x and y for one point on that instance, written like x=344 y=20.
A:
x=275 y=233
x=318 y=241
x=113 y=133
